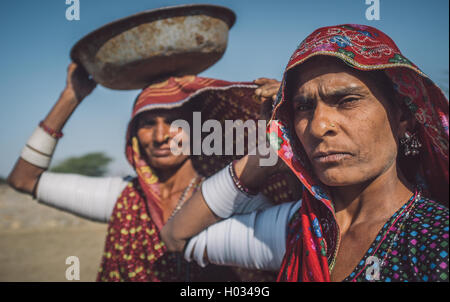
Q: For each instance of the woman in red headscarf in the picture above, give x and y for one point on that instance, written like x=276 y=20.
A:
x=136 y=209
x=366 y=132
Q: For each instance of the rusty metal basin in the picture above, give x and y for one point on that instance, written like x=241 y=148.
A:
x=153 y=45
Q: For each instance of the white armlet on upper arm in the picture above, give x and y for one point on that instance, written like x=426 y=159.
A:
x=221 y=195
x=258 y=202
x=225 y=199
x=89 y=197
x=256 y=240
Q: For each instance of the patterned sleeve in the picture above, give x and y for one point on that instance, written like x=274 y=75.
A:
x=428 y=242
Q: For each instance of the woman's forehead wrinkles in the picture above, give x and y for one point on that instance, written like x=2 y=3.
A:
x=328 y=91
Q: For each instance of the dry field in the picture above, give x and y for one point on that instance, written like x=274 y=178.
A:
x=35 y=240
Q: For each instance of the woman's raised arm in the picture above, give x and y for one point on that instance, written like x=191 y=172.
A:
x=35 y=158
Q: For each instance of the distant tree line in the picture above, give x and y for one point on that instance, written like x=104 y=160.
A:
x=91 y=164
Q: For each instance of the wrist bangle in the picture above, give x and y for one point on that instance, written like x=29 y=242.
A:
x=238 y=183
x=53 y=133
x=39 y=148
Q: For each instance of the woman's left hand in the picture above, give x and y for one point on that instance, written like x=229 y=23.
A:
x=268 y=88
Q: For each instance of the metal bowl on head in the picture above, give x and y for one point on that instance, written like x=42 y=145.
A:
x=153 y=45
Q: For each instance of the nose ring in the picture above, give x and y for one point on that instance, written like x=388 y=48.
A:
x=166 y=137
x=332 y=125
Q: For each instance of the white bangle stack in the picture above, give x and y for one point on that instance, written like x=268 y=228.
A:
x=256 y=240
x=221 y=194
x=195 y=249
x=39 y=148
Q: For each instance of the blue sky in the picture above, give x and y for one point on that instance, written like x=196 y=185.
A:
x=37 y=38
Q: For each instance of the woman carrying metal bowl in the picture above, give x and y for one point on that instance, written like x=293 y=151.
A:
x=137 y=209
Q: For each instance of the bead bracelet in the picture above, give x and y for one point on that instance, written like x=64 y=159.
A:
x=238 y=183
x=53 y=133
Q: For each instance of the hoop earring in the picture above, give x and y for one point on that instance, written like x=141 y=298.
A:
x=411 y=144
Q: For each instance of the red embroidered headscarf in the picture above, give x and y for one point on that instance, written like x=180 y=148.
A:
x=313 y=232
